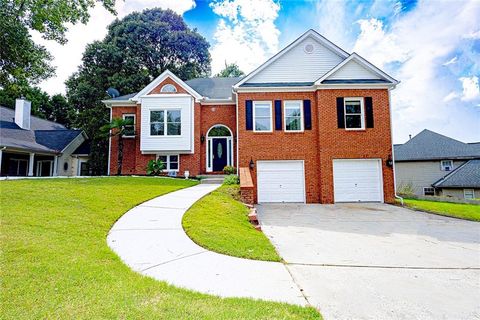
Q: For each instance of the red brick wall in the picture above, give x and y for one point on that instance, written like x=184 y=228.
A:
x=164 y=82
x=325 y=142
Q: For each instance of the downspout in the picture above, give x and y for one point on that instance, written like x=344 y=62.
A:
x=236 y=120
x=109 y=143
x=393 y=149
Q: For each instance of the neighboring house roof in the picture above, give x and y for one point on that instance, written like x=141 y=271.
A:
x=84 y=148
x=429 y=145
x=124 y=97
x=44 y=136
x=214 y=88
x=465 y=176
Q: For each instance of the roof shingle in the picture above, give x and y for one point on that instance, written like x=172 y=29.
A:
x=465 y=176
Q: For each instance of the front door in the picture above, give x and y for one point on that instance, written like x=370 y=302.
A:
x=219 y=153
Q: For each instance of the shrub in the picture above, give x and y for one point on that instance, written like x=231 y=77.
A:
x=229 y=170
x=230 y=179
x=406 y=189
x=155 y=167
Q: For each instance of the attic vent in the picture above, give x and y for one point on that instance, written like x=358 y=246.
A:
x=309 y=48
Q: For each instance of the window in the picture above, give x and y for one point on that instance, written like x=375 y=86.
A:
x=168 y=88
x=428 y=191
x=166 y=122
x=129 y=130
x=171 y=162
x=446 y=165
x=354 y=119
x=469 y=193
x=262 y=116
x=293 y=115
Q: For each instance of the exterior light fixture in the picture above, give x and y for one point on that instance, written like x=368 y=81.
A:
x=202 y=138
x=389 y=161
x=251 y=164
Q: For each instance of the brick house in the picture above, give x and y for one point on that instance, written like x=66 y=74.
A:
x=312 y=124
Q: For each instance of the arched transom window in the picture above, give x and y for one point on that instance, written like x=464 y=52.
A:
x=168 y=88
x=219 y=131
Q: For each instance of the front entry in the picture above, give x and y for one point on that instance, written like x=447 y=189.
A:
x=219 y=153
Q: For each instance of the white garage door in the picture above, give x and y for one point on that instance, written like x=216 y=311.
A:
x=357 y=180
x=280 y=181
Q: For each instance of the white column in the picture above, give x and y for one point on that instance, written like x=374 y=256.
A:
x=1 y=153
x=55 y=166
x=30 y=164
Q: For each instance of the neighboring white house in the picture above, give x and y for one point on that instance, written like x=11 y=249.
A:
x=432 y=164
x=30 y=146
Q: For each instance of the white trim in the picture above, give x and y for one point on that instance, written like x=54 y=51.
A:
x=168 y=85
x=473 y=194
x=109 y=144
x=167 y=163
x=276 y=89
x=354 y=86
x=209 y=147
x=165 y=123
x=302 y=129
x=442 y=167
x=364 y=63
x=362 y=114
x=271 y=115
x=79 y=165
x=166 y=74
x=134 y=123
x=40 y=165
x=325 y=42
x=119 y=103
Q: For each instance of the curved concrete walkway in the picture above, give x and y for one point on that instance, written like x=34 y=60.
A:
x=150 y=239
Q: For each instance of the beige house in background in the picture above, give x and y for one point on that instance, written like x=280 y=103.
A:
x=432 y=164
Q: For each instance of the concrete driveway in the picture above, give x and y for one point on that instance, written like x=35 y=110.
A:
x=377 y=261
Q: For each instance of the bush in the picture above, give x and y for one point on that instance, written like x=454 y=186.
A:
x=155 y=167
x=229 y=170
x=231 y=179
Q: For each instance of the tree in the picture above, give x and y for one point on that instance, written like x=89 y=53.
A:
x=231 y=70
x=135 y=51
x=21 y=60
x=117 y=128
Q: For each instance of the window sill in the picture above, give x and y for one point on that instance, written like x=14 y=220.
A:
x=128 y=137
x=356 y=130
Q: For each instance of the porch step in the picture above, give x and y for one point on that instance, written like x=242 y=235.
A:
x=212 y=179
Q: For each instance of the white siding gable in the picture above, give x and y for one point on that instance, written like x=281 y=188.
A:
x=165 y=144
x=298 y=66
x=353 y=70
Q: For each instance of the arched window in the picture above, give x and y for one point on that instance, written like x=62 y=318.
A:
x=219 y=131
x=168 y=88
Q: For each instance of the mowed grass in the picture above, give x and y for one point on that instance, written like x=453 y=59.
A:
x=55 y=262
x=457 y=210
x=219 y=223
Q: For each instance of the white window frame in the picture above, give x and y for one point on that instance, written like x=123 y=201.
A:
x=428 y=188
x=209 y=149
x=254 y=116
x=18 y=160
x=168 y=85
x=362 y=113
x=40 y=165
x=134 y=122
x=167 y=163
x=465 y=195
x=285 y=107
x=443 y=167
x=165 y=124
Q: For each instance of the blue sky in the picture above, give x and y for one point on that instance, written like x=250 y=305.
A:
x=432 y=47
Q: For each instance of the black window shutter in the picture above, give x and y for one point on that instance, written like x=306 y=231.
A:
x=369 y=111
x=278 y=114
x=340 y=113
x=248 y=115
x=307 y=115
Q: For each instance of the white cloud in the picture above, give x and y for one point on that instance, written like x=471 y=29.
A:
x=471 y=90
x=451 y=61
x=68 y=57
x=416 y=47
x=333 y=23
x=472 y=35
x=246 y=33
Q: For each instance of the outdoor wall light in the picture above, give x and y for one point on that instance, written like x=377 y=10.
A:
x=389 y=161
x=252 y=164
x=202 y=138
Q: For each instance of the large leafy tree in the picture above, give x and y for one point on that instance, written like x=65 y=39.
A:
x=135 y=51
x=230 y=70
x=22 y=61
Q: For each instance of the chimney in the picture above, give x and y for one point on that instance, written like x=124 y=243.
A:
x=22 y=113
x=409 y=137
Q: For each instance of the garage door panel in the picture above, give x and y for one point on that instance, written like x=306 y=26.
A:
x=357 y=180
x=280 y=181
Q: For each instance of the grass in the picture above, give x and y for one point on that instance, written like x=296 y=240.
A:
x=55 y=262
x=457 y=210
x=219 y=223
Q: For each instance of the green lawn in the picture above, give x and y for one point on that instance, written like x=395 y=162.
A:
x=457 y=210
x=55 y=262
x=219 y=223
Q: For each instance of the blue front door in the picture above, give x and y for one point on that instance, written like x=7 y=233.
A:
x=219 y=153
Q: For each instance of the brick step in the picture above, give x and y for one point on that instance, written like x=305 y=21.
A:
x=212 y=181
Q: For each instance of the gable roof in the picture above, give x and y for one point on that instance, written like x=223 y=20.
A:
x=363 y=69
x=214 y=88
x=465 y=176
x=429 y=145
x=44 y=136
x=165 y=74
x=310 y=33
